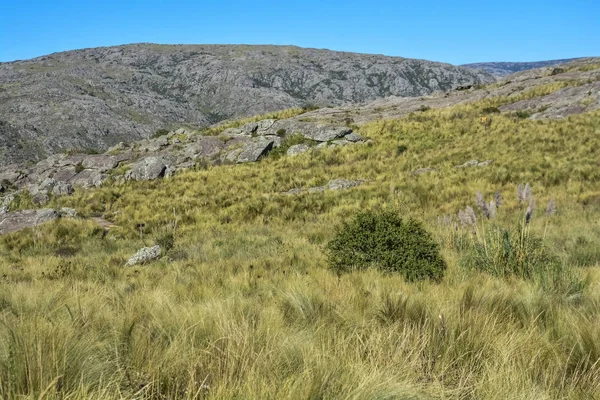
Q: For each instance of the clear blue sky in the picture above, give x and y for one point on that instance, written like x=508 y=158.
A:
x=460 y=31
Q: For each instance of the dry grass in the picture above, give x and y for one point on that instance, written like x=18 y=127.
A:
x=244 y=306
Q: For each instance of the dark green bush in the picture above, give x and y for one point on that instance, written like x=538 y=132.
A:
x=522 y=114
x=491 y=110
x=382 y=239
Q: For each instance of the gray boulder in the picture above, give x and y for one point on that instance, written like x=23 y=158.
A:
x=88 y=178
x=16 y=221
x=62 y=189
x=342 y=184
x=298 y=149
x=353 y=137
x=144 y=255
x=254 y=150
x=147 y=169
x=68 y=212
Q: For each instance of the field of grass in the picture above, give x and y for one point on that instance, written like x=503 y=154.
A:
x=244 y=305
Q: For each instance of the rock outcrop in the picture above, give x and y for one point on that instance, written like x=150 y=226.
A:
x=96 y=98
x=144 y=255
x=16 y=221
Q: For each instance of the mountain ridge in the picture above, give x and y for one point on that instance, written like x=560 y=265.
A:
x=94 y=98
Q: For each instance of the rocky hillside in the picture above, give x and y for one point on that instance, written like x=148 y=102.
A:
x=95 y=98
x=501 y=69
x=535 y=94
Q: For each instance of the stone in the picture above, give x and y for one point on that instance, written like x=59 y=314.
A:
x=342 y=184
x=317 y=189
x=62 y=189
x=294 y=191
x=40 y=199
x=144 y=255
x=3 y=210
x=101 y=162
x=16 y=221
x=64 y=174
x=254 y=150
x=297 y=149
x=326 y=133
x=180 y=131
x=147 y=169
x=353 y=137
x=88 y=178
x=68 y=212
x=276 y=140
x=485 y=163
x=470 y=163
x=206 y=147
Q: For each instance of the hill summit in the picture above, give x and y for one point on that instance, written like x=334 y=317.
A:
x=95 y=98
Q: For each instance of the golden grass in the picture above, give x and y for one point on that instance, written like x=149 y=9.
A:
x=244 y=306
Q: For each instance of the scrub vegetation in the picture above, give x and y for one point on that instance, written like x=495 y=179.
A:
x=246 y=303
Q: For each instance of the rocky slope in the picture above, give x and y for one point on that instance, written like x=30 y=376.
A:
x=95 y=98
x=501 y=69
x=575 y=90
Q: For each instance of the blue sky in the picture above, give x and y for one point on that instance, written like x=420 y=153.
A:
x=457 y=32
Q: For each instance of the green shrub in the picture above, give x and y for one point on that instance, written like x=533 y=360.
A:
x=522 y=114
x=491 y=110
x=382 y=239
x=401 y=149
x=165 y=241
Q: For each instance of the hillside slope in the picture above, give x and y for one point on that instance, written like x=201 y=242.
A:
x=501 y=69
x=95 y=98
x=241 y=302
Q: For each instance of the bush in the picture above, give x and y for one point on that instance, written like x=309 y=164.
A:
x=491 y=110
x=166 y=241
x=382 y=239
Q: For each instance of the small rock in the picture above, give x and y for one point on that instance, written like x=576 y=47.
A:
x=62 y=189
x=485 y=163
x=40 y=199
x=297 y=149
x=68 y=212
x=317 y=189
x=144 y=255
x=3 y=210
x=180 y=131
x=468 y=164
x=353 y=137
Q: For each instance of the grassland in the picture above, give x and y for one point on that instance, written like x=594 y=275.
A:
x=244 y=306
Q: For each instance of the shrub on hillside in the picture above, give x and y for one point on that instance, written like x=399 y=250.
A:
x=383 y=240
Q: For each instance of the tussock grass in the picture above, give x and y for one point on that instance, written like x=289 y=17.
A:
x=244 y=306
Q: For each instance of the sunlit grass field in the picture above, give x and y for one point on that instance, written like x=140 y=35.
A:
x=244 y=305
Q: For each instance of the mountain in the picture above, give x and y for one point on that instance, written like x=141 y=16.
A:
x=95 y=98
x=501 y=69
x=535 y=94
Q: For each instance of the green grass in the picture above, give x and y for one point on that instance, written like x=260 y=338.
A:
x=244 y=306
